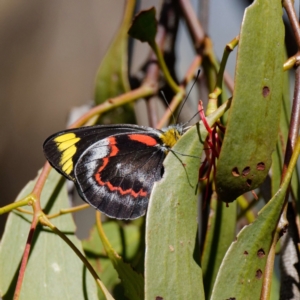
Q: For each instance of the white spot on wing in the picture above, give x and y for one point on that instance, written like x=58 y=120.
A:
x=95 y=152
x=99 y=149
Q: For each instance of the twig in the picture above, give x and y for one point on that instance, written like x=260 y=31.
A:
x=25 y=256
x=194 y=26
x=68 y=211
x=292 y=137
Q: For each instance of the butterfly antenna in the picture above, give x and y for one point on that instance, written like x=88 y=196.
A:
x=191 y=118
x=197 y=76
x=165 y=99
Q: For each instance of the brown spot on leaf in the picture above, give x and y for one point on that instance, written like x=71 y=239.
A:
x=258 y=274
x=260 y=166
x=159 y=298
x=266 y=91
x=249 y=182
x=235 y=172
x=245 y=252
x=246 y=171
x=261 y=253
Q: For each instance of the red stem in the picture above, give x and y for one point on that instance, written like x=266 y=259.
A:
x=25 y=256
x=203 y=118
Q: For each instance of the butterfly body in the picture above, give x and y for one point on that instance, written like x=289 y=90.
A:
x=113 y=167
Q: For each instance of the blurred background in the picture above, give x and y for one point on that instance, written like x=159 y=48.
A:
x=49 y=54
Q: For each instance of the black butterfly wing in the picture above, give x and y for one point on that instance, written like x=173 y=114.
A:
x=64 y=148
x=116 y=174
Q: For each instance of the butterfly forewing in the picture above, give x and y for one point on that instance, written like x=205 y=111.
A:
x=63 y=149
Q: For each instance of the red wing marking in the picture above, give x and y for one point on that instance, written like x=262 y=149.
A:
x=112 y=143
x=113 y=152
x=144 y=139
x=112 y=188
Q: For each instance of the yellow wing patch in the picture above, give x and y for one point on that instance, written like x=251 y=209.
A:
x=66 y=146
x=65 y=137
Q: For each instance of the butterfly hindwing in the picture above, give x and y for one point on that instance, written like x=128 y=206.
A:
x=116 y=174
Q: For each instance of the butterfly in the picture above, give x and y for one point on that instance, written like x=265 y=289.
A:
x=113 y=167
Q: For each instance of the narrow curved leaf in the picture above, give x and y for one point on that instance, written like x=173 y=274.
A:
x=112 y=75
x=172 y=268
x=132 y=281
x=97 y=255
x=253 y=123
x=242 y=271
x=220 y=234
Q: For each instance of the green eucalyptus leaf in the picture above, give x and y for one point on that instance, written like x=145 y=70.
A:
x=278 y=154
x=54 y=271
x=220 y=234
x=132 y=281
x=172 y=268
x=242 y=271
x=112 y=75
x=144 y=26
x=275 y=288
x=253 y=123
x=98 y=258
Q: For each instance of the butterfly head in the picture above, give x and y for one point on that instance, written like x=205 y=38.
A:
x=171 y=135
